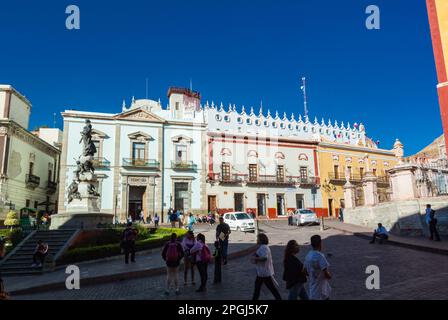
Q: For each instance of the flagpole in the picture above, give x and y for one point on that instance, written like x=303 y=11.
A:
x=304 y=96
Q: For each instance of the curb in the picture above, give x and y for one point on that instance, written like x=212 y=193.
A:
x=396 y=243
x=116 y=277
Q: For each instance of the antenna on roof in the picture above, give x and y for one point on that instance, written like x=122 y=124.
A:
x=303 y=88
x=54 y=119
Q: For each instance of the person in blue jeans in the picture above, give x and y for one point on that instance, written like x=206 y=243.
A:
x=294 y=273
x=222 y=235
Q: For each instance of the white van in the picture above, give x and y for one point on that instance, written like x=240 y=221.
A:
x=239 y=221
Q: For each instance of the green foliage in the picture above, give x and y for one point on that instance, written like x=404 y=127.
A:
x=13 y=237
x=108 y=244
x=12 y=219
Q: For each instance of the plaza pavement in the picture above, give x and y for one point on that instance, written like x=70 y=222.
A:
x=148 y=263
x=404 y=273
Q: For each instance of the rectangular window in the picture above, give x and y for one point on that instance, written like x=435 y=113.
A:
x=303 y=173
x=361 y=172
x=50 y=175
x=253 y=172
x=177 y=106
x=97 y=146
x=181 y=153
x=225 y=171
x=350 y=171
x=280 y=173
x=31 y=170
x=336 y=172
x=28 y=203
x=36 y=204
x=374 y=172
x=138 y=151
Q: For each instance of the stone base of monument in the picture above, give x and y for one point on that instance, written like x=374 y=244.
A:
x=82 y=213
x=80 y=220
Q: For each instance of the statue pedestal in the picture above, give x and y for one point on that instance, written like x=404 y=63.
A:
x=349 y=196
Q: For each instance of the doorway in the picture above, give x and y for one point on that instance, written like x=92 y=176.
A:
x=238 y=202
x=181 y=196
x=330 y=208
x=211 y=203
x=261 y=204
x=280 y=204
x=136 y=195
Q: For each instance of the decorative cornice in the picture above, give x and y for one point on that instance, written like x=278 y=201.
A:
x=11 y=128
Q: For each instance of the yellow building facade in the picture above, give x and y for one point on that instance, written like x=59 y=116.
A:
x=337 y=161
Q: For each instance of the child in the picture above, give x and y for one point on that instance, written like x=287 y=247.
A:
x=218 y=262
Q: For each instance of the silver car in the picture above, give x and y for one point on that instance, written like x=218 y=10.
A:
x=305 y=217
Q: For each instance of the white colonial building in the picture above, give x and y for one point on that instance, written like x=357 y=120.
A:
x=28 y=164
x=265 y=164
x=148 y=158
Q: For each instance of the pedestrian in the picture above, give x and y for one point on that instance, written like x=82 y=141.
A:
x=181 y=219
x=172 y=254
x=149 y=219
x=341 y=214
x=203 y=258
x=188 y=243
x=191 y=222
x=294 y=272
x=433 y=227
x=262 y=259
x=173 y=219
x=156 y=220
x=3 y=294
x=130 y=219
x=316 y=266
x=290 y=219
x=40 y=253
x=218 y=262
x=380 y=233
x=222 y=235
x=128 y=242
x=142 y=217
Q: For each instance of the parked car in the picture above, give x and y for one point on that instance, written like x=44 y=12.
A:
x=239 y=221
x=305 y=217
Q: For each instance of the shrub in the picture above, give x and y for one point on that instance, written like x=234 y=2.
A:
x=12 y=219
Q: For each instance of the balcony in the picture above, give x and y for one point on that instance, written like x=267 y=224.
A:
x=229 y=179
x=308 y=182
x=383 y=182
x=272 y=180
x=52 y=186
x=141 y=163
x=100 y=163
x=32 y=181
x=183 y=165
x=338 y=178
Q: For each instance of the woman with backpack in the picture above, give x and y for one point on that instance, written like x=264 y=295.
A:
x=172 y=254
x=203 y=258
x=294 y=272
x=188 y=243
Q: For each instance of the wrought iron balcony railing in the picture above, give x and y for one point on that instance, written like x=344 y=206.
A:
x=141 y=163
x=339 y=177
x=272 y=180
x=231 y=178
x=32 y=180
x=100 y=163
x=309 y=181
x=52 y=186
x=183 y=165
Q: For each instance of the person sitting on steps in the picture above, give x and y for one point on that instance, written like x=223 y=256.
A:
x=39 y=254
x=380 y=233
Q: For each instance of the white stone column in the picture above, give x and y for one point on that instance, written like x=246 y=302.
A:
x=370 y=189
x=404 y=186
x=349 y=196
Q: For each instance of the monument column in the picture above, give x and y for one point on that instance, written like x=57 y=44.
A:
x=349 y=196
x=438 y=21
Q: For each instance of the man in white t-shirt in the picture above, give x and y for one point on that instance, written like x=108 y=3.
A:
x=317 y=267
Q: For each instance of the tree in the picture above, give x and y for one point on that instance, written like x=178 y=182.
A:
x=11 y=219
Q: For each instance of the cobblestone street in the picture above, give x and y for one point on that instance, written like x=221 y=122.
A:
x=405 y=273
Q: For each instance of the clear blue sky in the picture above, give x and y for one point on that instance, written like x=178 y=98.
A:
x=236 y=52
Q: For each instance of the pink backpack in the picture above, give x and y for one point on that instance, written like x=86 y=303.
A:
x=206 y=256
x=172 y=254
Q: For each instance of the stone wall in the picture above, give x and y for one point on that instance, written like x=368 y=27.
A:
x=403 y=217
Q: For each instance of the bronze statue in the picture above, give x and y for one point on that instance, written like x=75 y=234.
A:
x=73 y=192
x=89 y=148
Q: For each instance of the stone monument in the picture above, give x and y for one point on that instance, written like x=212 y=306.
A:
x=83 y=208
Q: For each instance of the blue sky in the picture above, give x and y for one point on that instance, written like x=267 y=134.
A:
x=238 y=52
